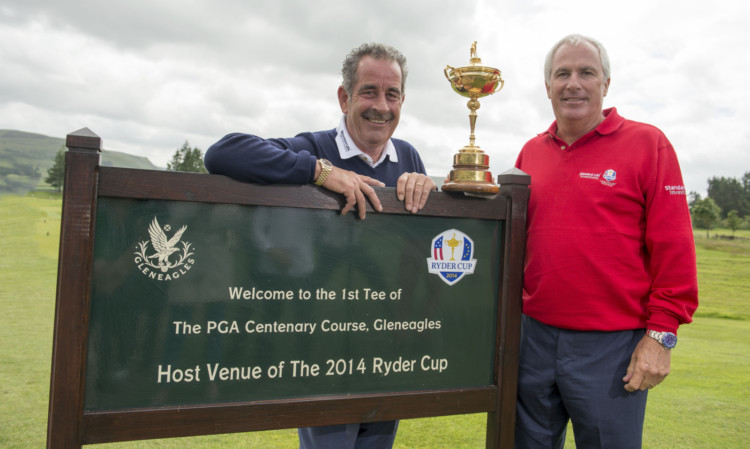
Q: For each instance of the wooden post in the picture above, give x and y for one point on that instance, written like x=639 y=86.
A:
x=73 y=290
x=514 y=183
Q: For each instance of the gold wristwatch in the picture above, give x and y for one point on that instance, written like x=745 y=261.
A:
x=325 y=169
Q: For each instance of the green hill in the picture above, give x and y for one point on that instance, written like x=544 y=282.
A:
x=25 y=158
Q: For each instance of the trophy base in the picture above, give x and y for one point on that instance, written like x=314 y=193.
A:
x=471 y=157
x=477 y=188
x=470 y=181
x=470 y=173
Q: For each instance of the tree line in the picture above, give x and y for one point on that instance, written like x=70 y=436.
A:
x=727 y=203
x=185 y=158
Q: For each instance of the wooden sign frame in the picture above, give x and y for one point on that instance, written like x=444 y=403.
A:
x=70 y=426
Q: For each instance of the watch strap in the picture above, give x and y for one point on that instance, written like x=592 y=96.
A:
x=666 y=339
x=325 y=169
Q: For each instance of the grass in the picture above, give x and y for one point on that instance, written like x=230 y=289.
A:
x=723 y=273
x=29 y=235
x=704 y=403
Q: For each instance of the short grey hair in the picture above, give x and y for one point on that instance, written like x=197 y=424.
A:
x=574 y=40
x=375 y=51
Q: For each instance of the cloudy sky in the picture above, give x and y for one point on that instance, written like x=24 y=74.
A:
x=147 y=76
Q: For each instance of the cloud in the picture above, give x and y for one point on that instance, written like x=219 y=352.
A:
x=147 y=76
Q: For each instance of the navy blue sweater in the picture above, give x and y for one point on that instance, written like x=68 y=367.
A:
x=249 y=158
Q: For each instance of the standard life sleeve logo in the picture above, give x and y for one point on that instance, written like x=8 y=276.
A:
x=452 y=253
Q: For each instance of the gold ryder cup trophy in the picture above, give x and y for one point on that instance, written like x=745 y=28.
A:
x=470 y=165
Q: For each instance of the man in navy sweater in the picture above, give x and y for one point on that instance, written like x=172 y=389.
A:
x=358 y=154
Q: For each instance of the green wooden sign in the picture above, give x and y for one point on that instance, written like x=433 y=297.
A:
x=197 y=303
x=191 y=304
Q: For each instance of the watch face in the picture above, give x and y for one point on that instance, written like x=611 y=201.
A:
x=669 y=340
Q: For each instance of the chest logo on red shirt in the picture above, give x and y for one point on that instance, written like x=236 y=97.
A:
x=452 y=256
x=607 y=178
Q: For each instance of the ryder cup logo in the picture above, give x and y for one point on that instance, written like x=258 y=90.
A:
x=610 y=175
x=164 y=260
x=451 y=259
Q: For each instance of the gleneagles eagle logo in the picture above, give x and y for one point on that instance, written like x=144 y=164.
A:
x=452 y=253
x=160 y=261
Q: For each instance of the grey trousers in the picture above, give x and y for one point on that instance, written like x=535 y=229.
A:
x=376 y=435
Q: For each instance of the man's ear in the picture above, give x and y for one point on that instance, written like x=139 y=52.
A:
x=343 y=99
x=606 y=86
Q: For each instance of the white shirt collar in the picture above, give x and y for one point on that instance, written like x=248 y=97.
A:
x=347 y=148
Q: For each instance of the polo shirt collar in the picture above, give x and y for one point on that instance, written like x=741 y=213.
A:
x=612 y=121
x=348 y=149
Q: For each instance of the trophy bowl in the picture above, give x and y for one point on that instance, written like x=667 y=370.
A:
x=470 y=165
x=474 y=81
